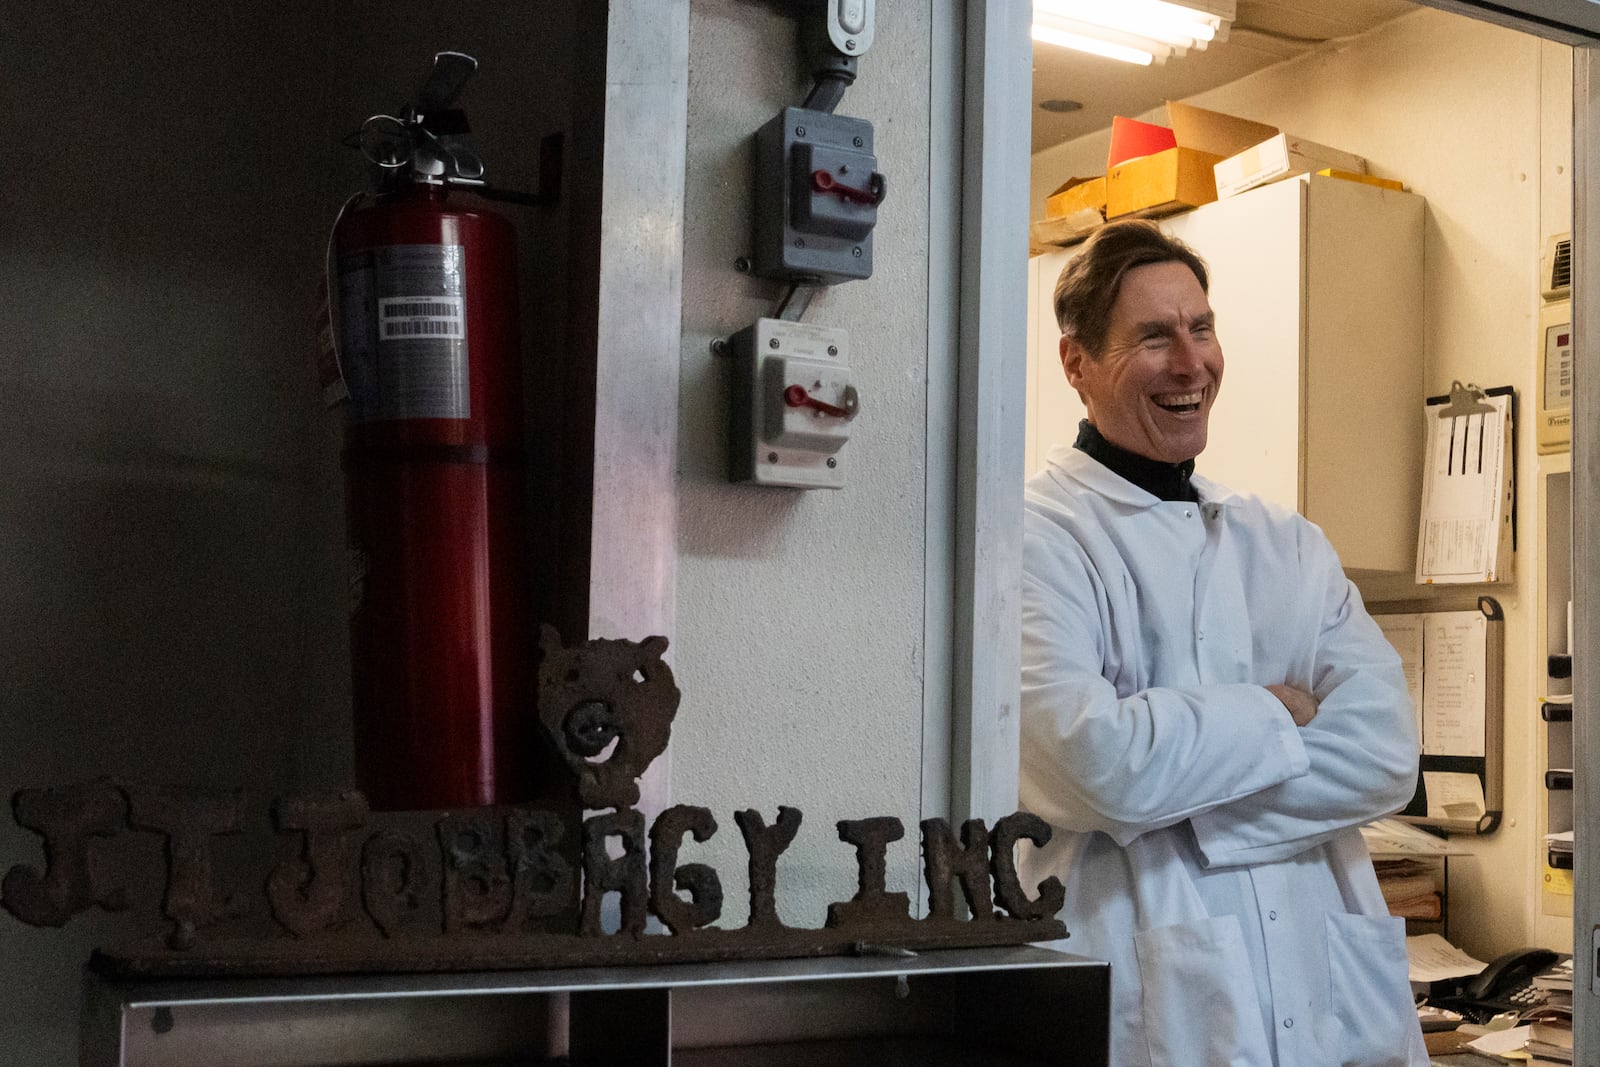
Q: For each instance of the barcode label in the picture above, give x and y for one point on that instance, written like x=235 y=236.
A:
x=411 y=316
x=421 y=328
x=434 y=308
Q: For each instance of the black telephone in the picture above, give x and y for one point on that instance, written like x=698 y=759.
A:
x=1505 y=985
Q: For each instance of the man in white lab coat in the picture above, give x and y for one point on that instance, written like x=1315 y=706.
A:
x=1208 y=712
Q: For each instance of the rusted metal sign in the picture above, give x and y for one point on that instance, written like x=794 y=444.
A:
x=343 y=889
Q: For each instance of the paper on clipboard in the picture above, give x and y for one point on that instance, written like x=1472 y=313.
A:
x=1404 y=632
x=1453 y=697
x=1442 y=655
x=1463 y=534
x=1453 y=796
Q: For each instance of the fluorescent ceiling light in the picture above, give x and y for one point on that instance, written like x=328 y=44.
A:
x=1131 y=30
x=1123 y=41
x=1093 y=45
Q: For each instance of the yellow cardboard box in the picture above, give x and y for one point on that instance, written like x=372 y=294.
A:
x=1045 y=234
x=1161 y=184
x=1345 y=175
x=1076 y=194
x=1181 y=177
x=1072 y=212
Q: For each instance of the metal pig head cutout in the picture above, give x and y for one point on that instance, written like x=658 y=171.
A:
x=609 y=706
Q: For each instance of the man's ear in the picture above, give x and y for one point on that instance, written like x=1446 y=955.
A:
x=1072 y=357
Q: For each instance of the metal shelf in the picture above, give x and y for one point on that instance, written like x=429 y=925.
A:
x=932 y=1008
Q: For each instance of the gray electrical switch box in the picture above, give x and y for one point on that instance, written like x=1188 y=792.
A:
x=817 y=194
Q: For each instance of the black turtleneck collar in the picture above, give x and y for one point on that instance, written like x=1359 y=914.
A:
x=1166 y=481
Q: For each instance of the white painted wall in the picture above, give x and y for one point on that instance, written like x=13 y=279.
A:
x=800 y=641
x=1476 y=119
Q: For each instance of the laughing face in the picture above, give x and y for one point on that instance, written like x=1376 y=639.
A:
x=1151 y=390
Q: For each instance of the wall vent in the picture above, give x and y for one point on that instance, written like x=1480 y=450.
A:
x=1557 y=264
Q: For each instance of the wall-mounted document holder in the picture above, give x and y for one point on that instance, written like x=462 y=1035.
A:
x=1454 y=660
x=1468 y=527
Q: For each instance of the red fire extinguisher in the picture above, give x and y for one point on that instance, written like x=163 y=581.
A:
x=429 y=352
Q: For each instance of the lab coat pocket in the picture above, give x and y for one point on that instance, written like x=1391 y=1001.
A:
x=1200 y=995
x=1370 y=992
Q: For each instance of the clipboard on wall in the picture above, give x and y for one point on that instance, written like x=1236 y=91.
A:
x=1453 y=655
x=1467 y=529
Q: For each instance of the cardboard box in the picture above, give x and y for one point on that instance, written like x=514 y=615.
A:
x=1368 y=179
x=1046 y=235
x=1280 y=156
x=1180 y=177
x=1161 y=184
x=1074 y=210
x=1074 y=195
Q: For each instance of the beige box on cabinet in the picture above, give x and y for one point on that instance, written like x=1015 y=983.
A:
x=1280 y=156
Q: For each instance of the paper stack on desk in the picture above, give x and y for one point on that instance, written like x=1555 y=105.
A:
x=1557 y=984
x=1433 y=959
x=1502 y=1044
x=1550 y=1029
x=1550 y=1040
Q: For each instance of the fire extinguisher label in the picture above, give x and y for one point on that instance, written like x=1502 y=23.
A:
x=403 y=332
x=421 y=316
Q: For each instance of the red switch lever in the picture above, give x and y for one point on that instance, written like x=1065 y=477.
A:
x=797 y=397
x=824 y=182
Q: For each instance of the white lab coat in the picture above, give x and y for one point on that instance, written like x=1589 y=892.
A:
x=1209 y=846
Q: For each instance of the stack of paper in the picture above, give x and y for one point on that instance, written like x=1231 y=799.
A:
x=1433 y=959
x=1559 y=842
x=1503 y=1044
x=1391 y=839
x=1557 y=984
x=1409 y=888
x=1550 y=1034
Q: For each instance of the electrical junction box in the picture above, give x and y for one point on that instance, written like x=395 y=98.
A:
x=816 y=198
x=850 y=24
x=793 y=405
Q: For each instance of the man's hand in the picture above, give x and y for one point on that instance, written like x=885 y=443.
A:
x=1301 y=704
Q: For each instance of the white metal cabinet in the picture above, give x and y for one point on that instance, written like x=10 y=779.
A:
x=1317 y=286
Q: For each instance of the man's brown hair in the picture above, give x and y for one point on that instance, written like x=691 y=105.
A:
x=1088 y=287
